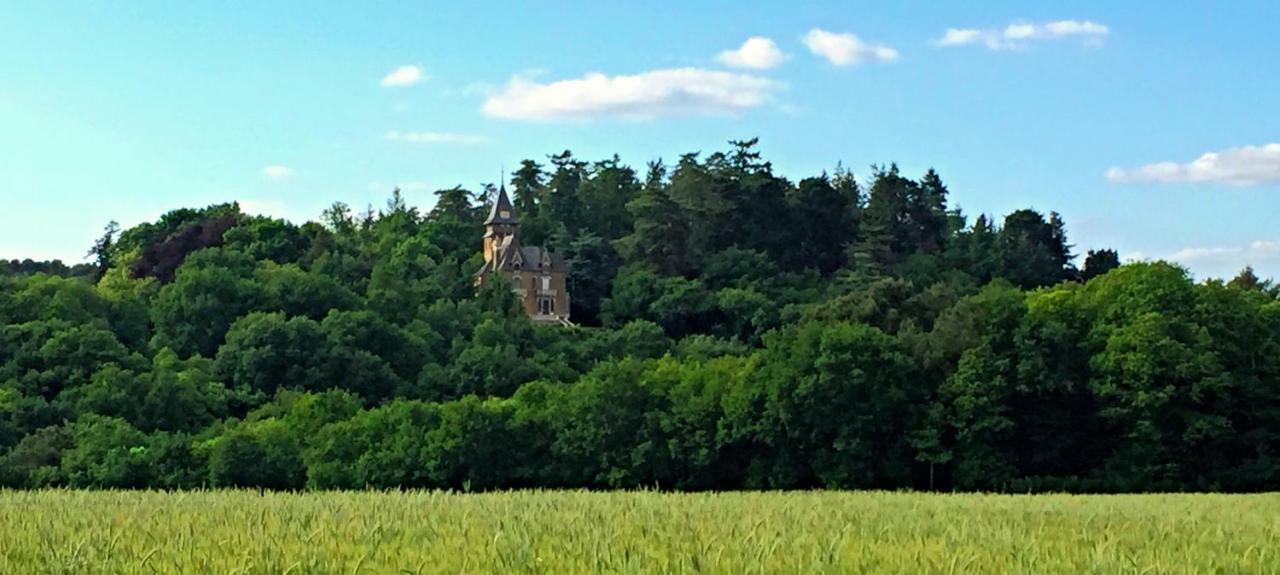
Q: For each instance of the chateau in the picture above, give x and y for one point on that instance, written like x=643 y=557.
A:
x=536 y=274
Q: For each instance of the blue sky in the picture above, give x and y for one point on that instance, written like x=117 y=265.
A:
x=1152 y=130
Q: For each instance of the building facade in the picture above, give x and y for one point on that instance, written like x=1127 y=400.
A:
x=536 y=275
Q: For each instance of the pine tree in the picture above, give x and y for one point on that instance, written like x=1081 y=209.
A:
x=527 y=185
x=1099 y=262
x=101 y=250
x=660 y=234
x=886 y=222
x=823 y=227
x=927 y=208
x=560 y=203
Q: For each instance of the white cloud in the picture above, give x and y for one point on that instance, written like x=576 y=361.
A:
x=959 y=37
x=403 y=76
x=436 y=138
x=667 y=92
x=1021 y=34
x=846 y=49
x=1226 y=261
x=277 y=172
x=757 y=52
x=1244 y=166
x=1065 y=28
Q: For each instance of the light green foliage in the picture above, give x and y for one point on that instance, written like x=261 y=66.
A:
x=574 y=532
x=175 y=395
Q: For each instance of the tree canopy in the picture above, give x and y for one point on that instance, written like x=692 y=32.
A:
x=738 y=330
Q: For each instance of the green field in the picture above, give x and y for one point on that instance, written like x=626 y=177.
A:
x=581 y=532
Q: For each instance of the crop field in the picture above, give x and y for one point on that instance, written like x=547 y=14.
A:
x=634 y=532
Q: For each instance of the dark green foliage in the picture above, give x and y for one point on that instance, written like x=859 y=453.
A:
x=54 y=268
x=165 y=246
x=824 y=223
x=36 y=460
x=212 y=290
x=101 y=250
x=1099 y=262
x=838 y=402
x=267 y=239
x=1034 y=252
x=265 y=352
x=173 y=395
x=266 y=454
x=736 y=330
x=107 y=452
x=593 y=263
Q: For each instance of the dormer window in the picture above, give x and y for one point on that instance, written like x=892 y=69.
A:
x=505 y=214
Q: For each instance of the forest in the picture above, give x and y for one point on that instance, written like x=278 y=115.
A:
x=737 y=330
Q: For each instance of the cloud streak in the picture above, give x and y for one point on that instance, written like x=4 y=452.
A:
x=657 y=93
x=757 y=53
x=403 y=76
x=1243 y=166
x=1021 y=35
x=846 y=49
x=277 y=172
x=436 y=138
x=1226 y=261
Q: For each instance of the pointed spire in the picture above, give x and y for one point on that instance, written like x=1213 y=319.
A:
x=502 y=211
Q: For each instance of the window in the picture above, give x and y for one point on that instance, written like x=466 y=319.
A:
x=504 y=214
x=546 y=282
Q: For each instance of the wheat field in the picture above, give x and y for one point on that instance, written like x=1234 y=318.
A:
x=634 y=532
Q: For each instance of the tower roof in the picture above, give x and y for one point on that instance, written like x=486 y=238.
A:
x=502 y=211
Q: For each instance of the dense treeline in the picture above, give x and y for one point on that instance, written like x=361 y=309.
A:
x=739 y=330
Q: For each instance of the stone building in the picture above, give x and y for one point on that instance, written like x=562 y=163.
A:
x=536 y=275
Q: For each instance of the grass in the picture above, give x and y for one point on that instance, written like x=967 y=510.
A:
x=580 y=532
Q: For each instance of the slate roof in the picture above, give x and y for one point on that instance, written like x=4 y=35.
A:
x=502 y=211
x=515 y=257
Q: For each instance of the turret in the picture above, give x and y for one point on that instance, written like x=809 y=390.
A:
x=500 y=225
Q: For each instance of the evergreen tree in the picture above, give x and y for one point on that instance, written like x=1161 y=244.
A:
x=661 y=230
x=101 y=250
x=561 y=202
x=528 y=184
x=605 y=195
x=1033 y=251
x=886 y=220
x=1099 y=262
x=927 y=206
x=823 y=225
